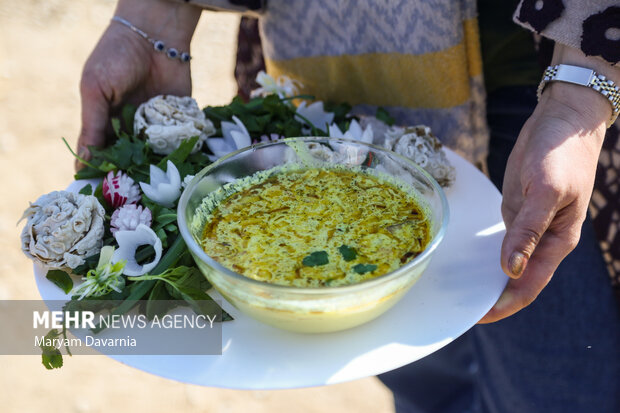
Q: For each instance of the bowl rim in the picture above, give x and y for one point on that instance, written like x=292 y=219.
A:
x=195 y=248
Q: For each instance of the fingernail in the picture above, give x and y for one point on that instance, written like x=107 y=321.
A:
x=517 y=263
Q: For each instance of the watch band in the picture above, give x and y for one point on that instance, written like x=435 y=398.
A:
x=584 y=77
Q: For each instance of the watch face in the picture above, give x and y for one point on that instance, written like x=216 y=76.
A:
x=574 y=74
x=583 y=77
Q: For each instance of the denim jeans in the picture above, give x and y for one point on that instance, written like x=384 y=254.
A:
x=560 y=354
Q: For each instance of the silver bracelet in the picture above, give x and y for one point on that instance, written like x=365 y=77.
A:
x=584 y=77
x=158 y=45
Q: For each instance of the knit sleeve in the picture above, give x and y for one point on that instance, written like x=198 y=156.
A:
x=590 y=25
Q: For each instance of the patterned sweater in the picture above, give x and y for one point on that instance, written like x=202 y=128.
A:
x=418 y=59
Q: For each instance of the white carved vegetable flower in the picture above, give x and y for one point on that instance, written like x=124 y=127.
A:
x=63 y=229
x=128 y=217
x=315 y=114
x=120 y=189
x=351 y=154
x=421 y=146
x=164 y=187
x=283 y=86
x=128 y=243
x=169 y=120
x=104 y=279
x=272 y=137
x=187 y=180
x=354 y=132
x=236 y=136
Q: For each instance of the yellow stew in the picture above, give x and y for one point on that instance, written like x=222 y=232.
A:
x=316 y=227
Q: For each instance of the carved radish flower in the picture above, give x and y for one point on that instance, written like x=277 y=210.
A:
x=120 y=189
x=128 y=217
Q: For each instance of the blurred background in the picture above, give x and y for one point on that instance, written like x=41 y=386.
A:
x=43 y=44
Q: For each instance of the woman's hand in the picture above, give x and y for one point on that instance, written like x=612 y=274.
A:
x=548 y=184
x=124 y=68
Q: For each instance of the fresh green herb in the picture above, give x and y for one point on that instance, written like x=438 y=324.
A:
x=304 y=97
x=315 y=259
x=364 y=268
x=180 y=154
x=348 y=253
x=134 y=156
x=89 y=264
x=171 y=256
x=51 y=356
x=144 y=254
x=87 y=190
x=91 y=172
x=104 y=279
x=116 y=126
x=272 y=115
x=140 y=287
x=165 y=216
x=384 y=116
x=98 y=193
x=340 y=110
x=79 y=158
x=128 y=114
x=185 y=283
x=61 y=279
x=124 y=153
x=159 y=301
x=163 y=236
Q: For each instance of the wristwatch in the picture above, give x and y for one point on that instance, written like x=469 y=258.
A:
x=584 y=77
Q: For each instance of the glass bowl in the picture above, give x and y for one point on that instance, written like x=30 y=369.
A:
x=311 y=310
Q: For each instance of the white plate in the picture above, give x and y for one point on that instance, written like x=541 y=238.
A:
x=461 y=284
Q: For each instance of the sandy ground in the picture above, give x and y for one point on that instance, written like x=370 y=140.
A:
x=42 y=47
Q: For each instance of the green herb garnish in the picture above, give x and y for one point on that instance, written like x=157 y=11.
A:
x=384 y=116
x=87 y=190
x=315 y=259
x=51 y=356
x=364 y=268
x=61 y=279
x=348 y=253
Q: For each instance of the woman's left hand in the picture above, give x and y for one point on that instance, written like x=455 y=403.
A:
x=547 y=188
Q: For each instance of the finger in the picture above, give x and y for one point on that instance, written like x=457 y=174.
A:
x=526 y=230
x=521 y=292
x=95 y=114
x=508 y=212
